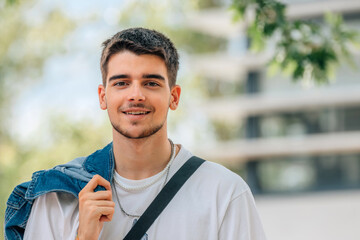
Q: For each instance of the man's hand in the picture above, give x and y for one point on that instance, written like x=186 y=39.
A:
x=95 y=208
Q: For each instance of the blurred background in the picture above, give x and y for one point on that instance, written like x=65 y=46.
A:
x=296 y=141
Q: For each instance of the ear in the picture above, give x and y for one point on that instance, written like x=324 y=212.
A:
x=175 y=97
x=102 y=98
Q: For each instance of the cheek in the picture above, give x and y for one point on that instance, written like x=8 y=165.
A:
x=164 y=103
x=113 y=101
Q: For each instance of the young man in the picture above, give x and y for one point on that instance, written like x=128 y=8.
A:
x=103 y=195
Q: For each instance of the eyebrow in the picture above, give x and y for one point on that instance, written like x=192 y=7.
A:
x=156 y=76
x=121 y=76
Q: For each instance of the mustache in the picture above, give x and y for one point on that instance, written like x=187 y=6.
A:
x=135 y=105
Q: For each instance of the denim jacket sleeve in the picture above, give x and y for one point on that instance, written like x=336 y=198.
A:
x=17 y=212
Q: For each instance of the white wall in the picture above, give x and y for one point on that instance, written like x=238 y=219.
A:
x=313 y=216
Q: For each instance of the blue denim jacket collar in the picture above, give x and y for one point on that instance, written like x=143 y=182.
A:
x=95 y=163
x=70 y=177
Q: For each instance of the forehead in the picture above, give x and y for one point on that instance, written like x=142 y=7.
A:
x=127 y=62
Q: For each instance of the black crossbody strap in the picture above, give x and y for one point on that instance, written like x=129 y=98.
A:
x=163 y=198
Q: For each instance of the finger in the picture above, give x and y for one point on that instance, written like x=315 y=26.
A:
x=100 y=195
x=94 y=211
x=95 y=181
x=105 y=212
x=105 y=218
x=103 y=203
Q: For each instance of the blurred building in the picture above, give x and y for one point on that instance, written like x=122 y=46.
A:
x=285 y=138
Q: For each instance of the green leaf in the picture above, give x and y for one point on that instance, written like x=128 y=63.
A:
x=309 y=49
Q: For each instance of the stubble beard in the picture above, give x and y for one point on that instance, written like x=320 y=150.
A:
x=144 y=134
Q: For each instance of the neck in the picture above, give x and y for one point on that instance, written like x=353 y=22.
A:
x=141 y=158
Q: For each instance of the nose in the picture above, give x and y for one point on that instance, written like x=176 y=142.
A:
x=136 y=94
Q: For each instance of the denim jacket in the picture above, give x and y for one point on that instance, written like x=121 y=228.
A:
x=70 y=177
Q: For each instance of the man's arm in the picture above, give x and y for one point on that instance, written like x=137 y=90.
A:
x=241 y=220
x=53 y=216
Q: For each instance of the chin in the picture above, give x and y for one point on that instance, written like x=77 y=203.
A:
x=138 y=134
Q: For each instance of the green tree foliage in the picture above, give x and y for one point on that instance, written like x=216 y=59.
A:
x=24 y=48
x=309 y=50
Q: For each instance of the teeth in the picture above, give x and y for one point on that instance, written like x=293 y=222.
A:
x=136 y=113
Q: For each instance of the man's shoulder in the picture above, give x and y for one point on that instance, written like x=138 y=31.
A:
x=220 y=171
x=215 y=173
x=219 y=176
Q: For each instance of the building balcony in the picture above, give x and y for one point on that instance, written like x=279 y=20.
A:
x=232 y=153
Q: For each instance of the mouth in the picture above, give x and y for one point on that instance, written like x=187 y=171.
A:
x=136 y=113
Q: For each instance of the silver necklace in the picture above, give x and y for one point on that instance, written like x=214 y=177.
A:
x=166 y=170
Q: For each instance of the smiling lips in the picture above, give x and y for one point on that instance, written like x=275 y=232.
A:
x=132 y=111
x=136 y=112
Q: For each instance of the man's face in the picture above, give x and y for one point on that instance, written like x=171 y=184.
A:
x=137 y=95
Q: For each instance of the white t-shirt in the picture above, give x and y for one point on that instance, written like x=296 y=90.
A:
x=214 y=203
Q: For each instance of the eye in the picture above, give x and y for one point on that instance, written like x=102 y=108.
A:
x=152 y=84
x=120 y=84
